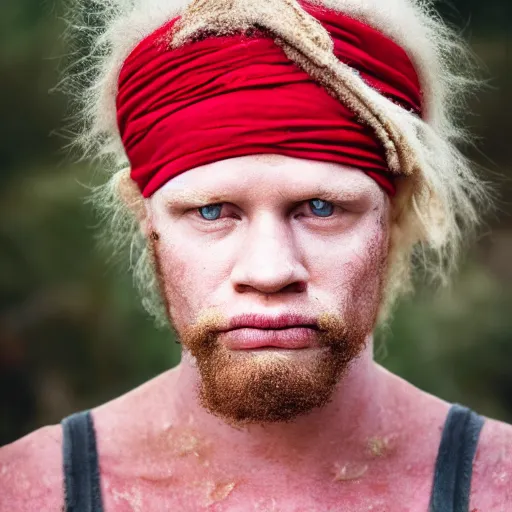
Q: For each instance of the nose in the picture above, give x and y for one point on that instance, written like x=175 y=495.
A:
x=268 y=261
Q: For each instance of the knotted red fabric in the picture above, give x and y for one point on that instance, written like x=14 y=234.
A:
x=229 y=96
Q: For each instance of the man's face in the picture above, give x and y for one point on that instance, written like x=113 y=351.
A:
x=272 y=270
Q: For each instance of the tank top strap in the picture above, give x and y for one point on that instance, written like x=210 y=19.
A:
x=454 y=465
x=81 y=469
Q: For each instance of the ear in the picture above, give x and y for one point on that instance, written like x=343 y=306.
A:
x=129 y=194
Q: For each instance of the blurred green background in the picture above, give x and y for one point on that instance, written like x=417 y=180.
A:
x=72 y=333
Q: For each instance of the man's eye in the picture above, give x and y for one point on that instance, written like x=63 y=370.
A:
x=321 y=208
x=210 y=212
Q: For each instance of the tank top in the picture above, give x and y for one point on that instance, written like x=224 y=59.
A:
x=451 y=486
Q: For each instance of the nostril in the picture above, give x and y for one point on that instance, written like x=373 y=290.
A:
x=268 y=278
x=243 y=288
x=297 y=287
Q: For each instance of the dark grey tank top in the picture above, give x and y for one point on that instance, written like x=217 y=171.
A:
x=450 y=489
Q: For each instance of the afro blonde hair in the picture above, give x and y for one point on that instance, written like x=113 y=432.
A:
x=437 y=205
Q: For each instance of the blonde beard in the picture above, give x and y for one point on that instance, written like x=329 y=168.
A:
x=243 y=387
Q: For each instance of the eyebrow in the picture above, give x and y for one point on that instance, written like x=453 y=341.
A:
x=192 y=197
x=204 y=197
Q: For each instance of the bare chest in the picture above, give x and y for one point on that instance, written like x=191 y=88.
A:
x=224 y=491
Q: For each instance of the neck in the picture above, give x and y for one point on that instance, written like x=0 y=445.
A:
x=351 y=421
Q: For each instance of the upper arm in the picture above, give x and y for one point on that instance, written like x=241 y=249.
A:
x=491 y=487
x=31 y=477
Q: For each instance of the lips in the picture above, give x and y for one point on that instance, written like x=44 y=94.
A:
x=251 y=332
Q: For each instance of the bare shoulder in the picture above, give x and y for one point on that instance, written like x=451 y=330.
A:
x=31 y=473
x=492 y=469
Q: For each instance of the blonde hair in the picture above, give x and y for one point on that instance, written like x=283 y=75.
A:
x=437 y=205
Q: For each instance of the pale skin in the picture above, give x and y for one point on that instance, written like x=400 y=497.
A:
x=373 y=447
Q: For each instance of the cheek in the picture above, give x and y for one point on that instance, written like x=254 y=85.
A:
x=169 y=271
x=371 y=267
x=352 y=266
x=366 y=283
x=188 y=281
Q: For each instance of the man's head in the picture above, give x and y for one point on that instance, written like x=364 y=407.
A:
x=251 y=240
x=357 y=100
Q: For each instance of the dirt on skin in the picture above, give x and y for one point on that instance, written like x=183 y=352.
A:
x=349 y=471
x=267 y=387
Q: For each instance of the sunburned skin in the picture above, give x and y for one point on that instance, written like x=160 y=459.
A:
x=220 y=437
x=288 y=266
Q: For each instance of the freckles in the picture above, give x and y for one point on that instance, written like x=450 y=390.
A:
x=171 y=273
x=173 y=267
x=354 y=265
x=186 y=278
x=365 y=272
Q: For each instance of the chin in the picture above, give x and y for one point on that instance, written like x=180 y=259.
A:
x=268 y=386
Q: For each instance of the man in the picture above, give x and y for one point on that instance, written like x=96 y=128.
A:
x=287 y=162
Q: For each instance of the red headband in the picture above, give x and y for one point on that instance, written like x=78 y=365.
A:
x=237 y=95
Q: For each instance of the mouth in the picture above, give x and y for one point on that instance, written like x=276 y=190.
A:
x=285 y=332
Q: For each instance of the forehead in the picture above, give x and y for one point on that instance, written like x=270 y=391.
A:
x=267 y=175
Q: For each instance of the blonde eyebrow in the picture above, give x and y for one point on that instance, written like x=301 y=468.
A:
x=203 y=197
x=328 y=194
x=194 y=197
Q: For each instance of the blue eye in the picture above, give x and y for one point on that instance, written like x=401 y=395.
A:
x=321 y=208
x=210 y=212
